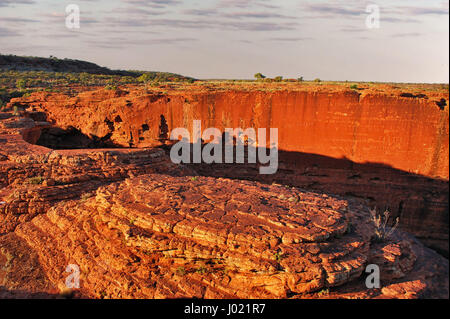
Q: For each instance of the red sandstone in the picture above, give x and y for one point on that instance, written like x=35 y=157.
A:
x=140 y=226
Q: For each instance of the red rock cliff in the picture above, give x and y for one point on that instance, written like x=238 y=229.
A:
x=329 y=139
x=405 y=133
x=139 y=226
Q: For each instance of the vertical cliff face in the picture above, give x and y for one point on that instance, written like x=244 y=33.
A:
x=404 y=133
x=137 y=225
x=390 y=150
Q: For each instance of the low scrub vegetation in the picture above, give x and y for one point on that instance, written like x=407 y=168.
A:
x=38 y=180
x=23 y=75
x=380 y=221
x=19 y=83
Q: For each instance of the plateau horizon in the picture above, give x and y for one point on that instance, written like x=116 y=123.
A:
x=220 y=143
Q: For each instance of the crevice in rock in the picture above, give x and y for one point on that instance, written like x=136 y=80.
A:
x=163 y=129
x=110 y=124
x=442 y=104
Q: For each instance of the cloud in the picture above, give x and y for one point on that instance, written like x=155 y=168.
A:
x=399 y=20
x=136 y=11
x=120 y=42
x=288 y=39
x=68 y=34
x=7 y=3
x=201 y=12
x=257 y=26
x=425 y=11
x=256 y=15
x=204 y=24
x=407 y=34
x=333 y=10
x=14 y=20
x=154 y=3
x=236 y=15
x=4 y=32
x=246 y=4
x=245 y=41
x=350 y=29
x=389 y=12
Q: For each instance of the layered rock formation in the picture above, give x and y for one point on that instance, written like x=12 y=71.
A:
x=157 y=236
x=138 y=226
x=408 y=134
x=390 y=148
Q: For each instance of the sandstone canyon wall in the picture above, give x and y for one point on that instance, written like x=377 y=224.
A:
x=409 y=134
x=140 y=226
x=392 y=151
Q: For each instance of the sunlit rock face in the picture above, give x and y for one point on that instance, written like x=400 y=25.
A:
x=87 y=181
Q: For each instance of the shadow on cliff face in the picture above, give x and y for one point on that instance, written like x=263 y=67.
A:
x=72 y=138
x=421 y=203
x=58 y=138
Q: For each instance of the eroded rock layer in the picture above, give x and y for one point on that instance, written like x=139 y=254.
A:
x=402 y=132
x=157 y=236
x=34 y=178
x=390 y=149
x=137 y=225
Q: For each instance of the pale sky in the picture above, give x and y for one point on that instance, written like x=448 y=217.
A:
x=238 y=38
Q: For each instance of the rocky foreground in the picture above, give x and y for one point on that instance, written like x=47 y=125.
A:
x=139 y=226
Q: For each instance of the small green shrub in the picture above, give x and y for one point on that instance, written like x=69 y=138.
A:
x=181 y=271
x=202 y=270
x=278 y=79
x=145 y=78
x=16 y=110
x=278 y=256
x=38 y=180
x=85 y=197
x=259 y=76
x=382 y=230
x=21 y=84
x=323 y=292
x=111 y=87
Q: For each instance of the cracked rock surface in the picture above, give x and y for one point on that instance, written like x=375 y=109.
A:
x=158 y=236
